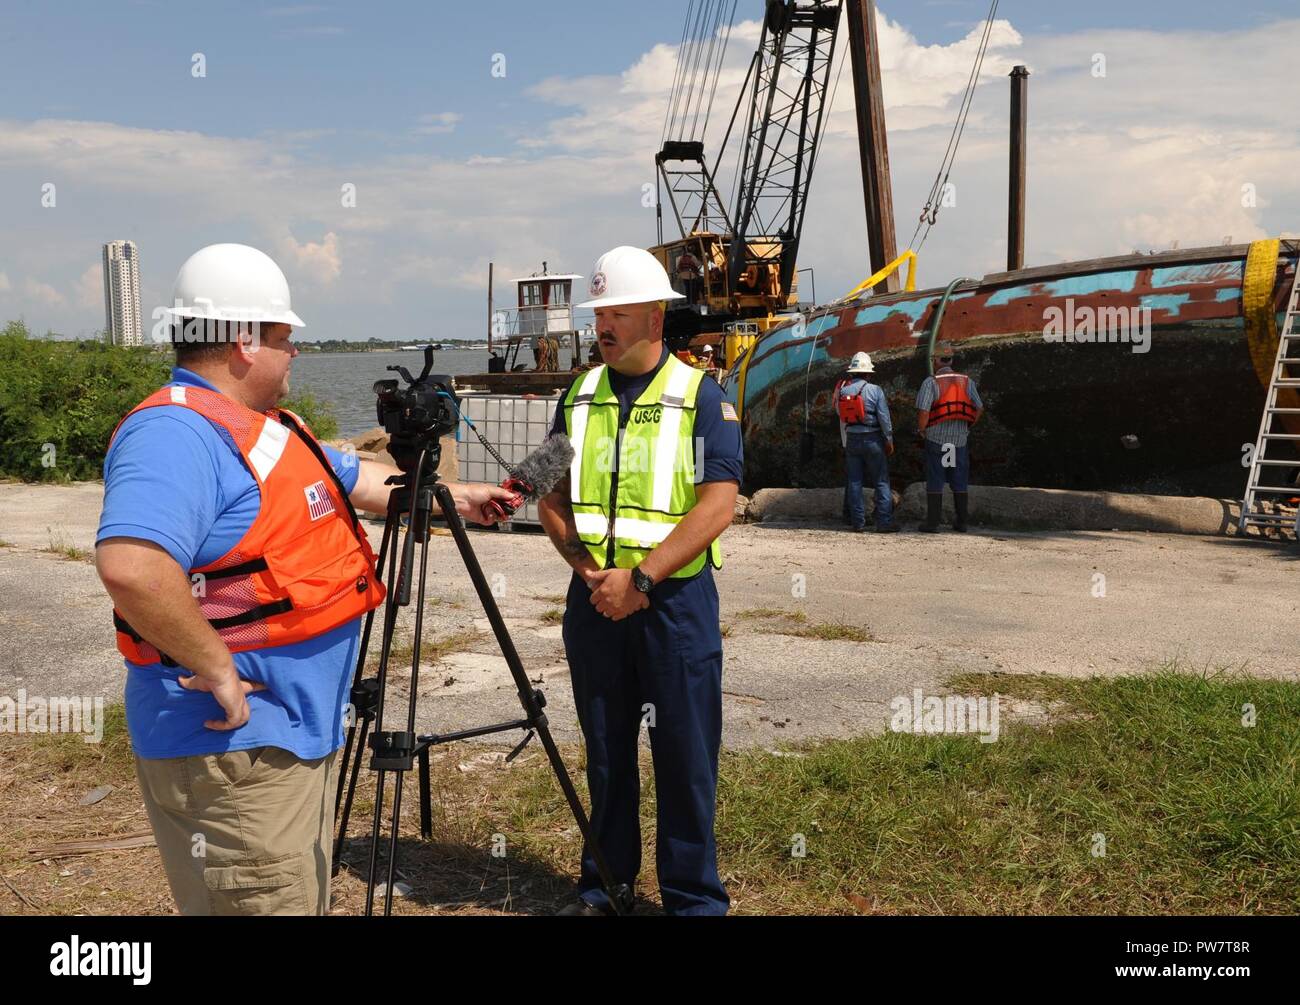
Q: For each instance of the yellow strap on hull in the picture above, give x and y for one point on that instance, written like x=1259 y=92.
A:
x=1260 y=314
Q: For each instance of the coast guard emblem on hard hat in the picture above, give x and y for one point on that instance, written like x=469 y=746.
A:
x=319 y=503
x=598 y=284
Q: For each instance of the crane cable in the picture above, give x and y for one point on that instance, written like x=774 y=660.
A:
x=701 y=53
x=930 y=214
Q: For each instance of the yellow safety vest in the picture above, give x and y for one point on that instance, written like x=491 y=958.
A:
x=631 y=484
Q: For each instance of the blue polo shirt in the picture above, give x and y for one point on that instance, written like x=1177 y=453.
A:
x=174 y=478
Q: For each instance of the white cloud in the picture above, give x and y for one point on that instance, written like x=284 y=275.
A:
x=1155 y=152
x=4 y=282
x=89 y=291
x=319 y=262
x=42 y=293
x=437 y=122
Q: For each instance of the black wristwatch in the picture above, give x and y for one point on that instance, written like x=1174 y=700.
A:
x=641 y=581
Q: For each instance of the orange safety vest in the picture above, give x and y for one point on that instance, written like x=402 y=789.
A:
x=954 y=401
x=303 y=568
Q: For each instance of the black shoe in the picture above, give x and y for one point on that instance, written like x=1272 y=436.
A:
x=961 y=504
x=891 y=529
x=582 y=909
x=859 y=530
x=933 y=510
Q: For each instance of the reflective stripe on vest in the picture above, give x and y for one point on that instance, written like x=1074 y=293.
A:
x=303 y=567
x=655 y=466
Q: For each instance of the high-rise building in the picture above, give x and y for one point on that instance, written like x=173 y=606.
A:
x=122 y=294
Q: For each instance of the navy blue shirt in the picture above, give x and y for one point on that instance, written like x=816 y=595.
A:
x=715 y=425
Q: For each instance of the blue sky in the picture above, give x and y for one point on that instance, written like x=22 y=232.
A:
x=455 y=167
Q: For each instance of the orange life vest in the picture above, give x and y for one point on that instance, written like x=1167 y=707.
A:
x=954 y=401
x=852 y=408
x=304 y=567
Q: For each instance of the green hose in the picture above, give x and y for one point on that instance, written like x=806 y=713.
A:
x=938 y=320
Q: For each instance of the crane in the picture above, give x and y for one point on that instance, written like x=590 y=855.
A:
x=738 y=267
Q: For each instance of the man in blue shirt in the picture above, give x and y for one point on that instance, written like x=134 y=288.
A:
x=234 y=750
x=867 y=433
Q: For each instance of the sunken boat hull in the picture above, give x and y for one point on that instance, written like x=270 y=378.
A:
x=1058 y=414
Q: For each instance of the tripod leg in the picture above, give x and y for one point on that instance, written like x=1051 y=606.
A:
x=426 y=798
x=374 y=842
x=389 y=529
x=619 y=895
x=392 y=844
x=352 y=789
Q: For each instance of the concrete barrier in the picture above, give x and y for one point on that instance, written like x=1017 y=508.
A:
x=804 y=504
x=1022 y=508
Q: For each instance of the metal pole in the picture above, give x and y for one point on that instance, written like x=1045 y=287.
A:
x=877 y=189
x=489 y=308
x=1019 y=143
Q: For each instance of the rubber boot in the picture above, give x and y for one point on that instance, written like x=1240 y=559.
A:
x=961 y=503
x=933 y=510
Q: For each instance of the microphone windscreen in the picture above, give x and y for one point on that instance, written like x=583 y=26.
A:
x=546 y=466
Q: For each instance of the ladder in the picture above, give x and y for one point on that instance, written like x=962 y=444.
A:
x=1272 y=429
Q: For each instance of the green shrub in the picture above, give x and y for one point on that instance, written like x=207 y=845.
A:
x=318 y=414
x=61 y=401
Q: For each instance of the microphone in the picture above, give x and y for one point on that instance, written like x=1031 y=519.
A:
x=536 y=475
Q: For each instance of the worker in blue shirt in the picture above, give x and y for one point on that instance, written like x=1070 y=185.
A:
x=658 y=462
x=867 y=434
x=239 y=575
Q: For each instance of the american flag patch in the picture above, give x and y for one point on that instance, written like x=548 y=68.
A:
x=319 y=503
x=729 y=412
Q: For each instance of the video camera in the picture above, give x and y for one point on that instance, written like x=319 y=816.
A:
x=417 y=416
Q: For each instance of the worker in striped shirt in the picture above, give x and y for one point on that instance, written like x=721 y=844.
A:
x=947 y=405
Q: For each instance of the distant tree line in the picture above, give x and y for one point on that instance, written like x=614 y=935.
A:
x=61 y=400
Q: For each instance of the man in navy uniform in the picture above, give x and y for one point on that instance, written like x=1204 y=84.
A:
x=656 y=469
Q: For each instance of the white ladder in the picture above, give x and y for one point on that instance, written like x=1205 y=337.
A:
x=1271 y=429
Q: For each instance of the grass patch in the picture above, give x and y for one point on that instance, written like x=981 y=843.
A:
x=1199 y=814
x=827 y=631
x=551 y=598
x=7 y=544
x=1031 y=687
x=552 y=617
x=432 y=650
x=773 y=612
x=59 y=545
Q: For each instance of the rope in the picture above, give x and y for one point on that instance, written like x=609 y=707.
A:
x=930 y=214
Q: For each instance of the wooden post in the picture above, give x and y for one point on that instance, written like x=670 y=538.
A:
x=877 y=189
x=1019 y=143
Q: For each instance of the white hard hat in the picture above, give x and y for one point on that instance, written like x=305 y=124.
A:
x=861 y=364
x=628 y=276
x=232 y=282
x=708 y=350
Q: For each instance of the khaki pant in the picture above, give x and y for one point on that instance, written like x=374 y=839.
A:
x=243 y=833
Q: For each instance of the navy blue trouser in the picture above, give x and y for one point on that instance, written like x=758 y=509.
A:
x=865 y=461
x=937 y=474
x=668 y=657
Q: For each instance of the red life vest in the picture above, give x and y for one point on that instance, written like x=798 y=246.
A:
x=304 y=567
x=953 y=401
x=852 y=408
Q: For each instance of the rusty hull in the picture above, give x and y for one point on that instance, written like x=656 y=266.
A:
x=1056 y=414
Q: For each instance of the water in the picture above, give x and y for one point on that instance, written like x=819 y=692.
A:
x=345 y=380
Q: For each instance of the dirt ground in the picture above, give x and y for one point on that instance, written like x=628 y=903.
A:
x=822 y=630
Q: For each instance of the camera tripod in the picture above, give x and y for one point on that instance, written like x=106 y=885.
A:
x=414 y=493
